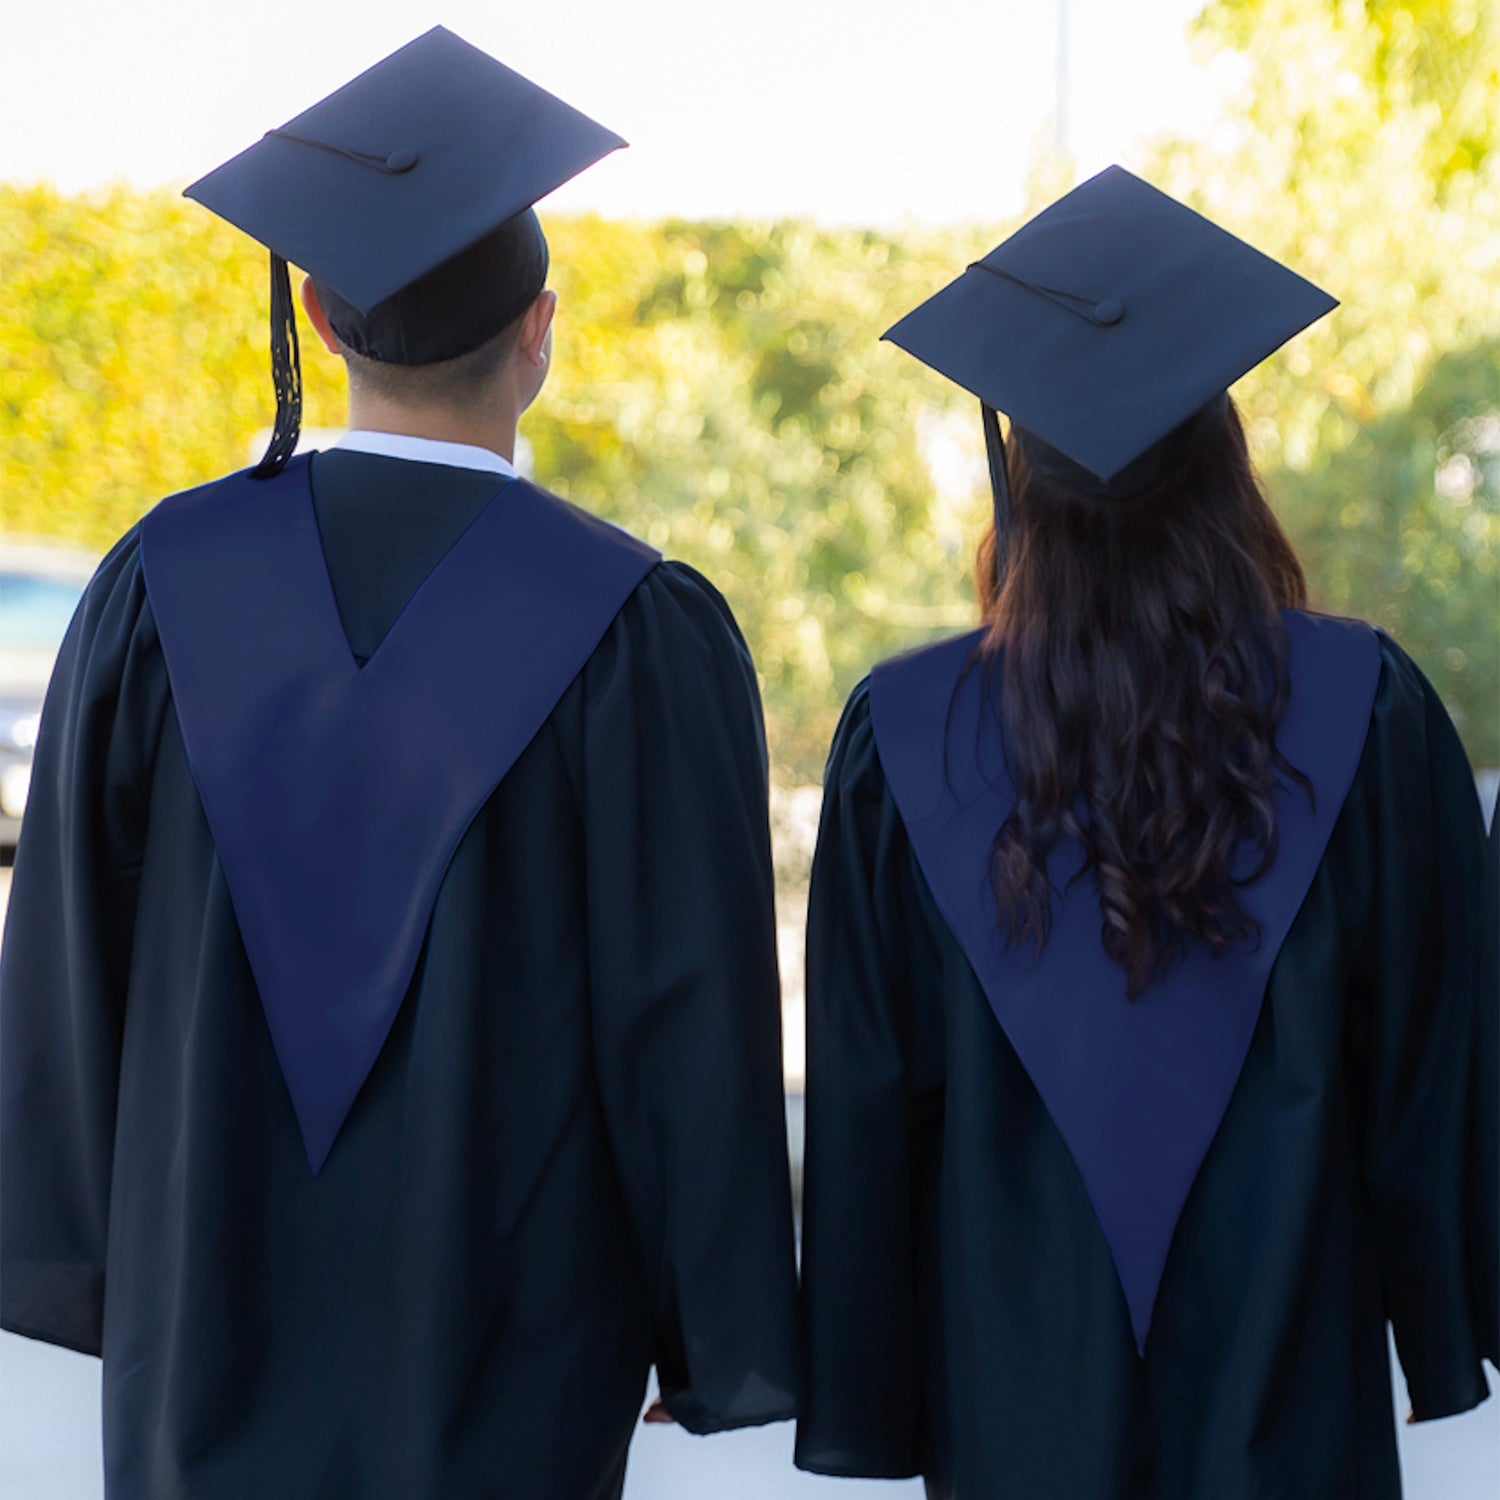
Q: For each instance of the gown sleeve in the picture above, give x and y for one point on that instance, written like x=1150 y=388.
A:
x=863 y=1408
x=1417 y=958
x=1487 y=1107
x=687 y=1017
x=67 y=959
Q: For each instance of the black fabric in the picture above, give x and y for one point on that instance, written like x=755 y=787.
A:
x=962 y=1314
x=1487 y=1105
x=385 y=522
x=569 y=1161
x=286 y=374
x=994 y=452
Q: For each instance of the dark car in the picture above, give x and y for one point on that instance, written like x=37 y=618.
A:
x=40 y=585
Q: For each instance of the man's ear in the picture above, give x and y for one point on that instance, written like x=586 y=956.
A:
x=317 y=317
x=532 y=344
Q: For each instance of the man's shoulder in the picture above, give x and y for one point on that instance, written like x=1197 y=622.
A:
x=587 y=527
x=198 y=495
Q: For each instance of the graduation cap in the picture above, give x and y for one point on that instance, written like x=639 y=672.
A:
x=1109 y=328
x=406 y=195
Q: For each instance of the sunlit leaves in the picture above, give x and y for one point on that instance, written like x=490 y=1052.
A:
x=722 y=389
x=1363 y=151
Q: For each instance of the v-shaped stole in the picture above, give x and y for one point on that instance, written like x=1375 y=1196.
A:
x=1137 y=1089
x=337 y=795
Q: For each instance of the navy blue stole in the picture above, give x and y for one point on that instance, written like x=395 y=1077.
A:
x=336 y=794
x=1137 y=1089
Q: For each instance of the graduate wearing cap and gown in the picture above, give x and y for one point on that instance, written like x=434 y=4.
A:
x=1100 y=1207
x=391 y=1057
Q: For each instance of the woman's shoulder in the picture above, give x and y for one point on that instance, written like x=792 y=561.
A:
x=853 y=756
x=1411 y=739
x=1400 y=680
x=897 y=712
x=1401 y=688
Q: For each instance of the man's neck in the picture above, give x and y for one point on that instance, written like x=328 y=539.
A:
x=495 y=431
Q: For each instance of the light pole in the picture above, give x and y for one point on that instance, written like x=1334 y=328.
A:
x=1060 y=108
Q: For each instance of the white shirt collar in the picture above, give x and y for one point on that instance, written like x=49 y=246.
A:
x=425 y=451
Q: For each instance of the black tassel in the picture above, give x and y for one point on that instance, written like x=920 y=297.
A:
x=286 y=374
x=994 y=448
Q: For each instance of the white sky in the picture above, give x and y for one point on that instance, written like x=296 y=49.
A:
x=868 y=111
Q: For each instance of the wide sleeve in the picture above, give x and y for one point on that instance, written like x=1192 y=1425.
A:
x=67 y=959
x=1487 y=1107
x=862 y=1406
x=687 y=1013
x=1419 y=950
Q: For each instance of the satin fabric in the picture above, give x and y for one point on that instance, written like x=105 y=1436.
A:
x=568 y=1161
x=961 y=1309
x=1136 y=1087
x=338 y=789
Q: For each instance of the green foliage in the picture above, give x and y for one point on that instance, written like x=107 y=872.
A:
x=133 y=358
x=1402 y=524
x=721 y=389
x=1363 y=151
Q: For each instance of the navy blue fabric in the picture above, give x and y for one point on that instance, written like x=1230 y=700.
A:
x=403 y=167
x=1106 y=321
x=337 y=793
x=1137 y=1089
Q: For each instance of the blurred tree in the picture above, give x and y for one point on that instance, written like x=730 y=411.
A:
x=1401 y=522
x=1359 y=144
x=133 y=356
x=721 y=389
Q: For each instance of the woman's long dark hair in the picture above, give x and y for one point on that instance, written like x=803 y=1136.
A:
x=1142 y=664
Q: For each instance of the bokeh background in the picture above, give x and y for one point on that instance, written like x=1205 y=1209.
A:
x=801 y=175
x=720 y=386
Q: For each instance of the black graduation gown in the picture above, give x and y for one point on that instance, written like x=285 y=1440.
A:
x=1487 y=1103
x=569 y=1161
x=963 y=1315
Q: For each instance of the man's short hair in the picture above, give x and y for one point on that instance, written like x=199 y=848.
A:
x=462 y=382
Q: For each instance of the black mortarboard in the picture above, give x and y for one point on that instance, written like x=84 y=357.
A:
x=1108 y=329
x=406 y=195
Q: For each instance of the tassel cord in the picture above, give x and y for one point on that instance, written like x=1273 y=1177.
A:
x=286 y=374
x=994 y=448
